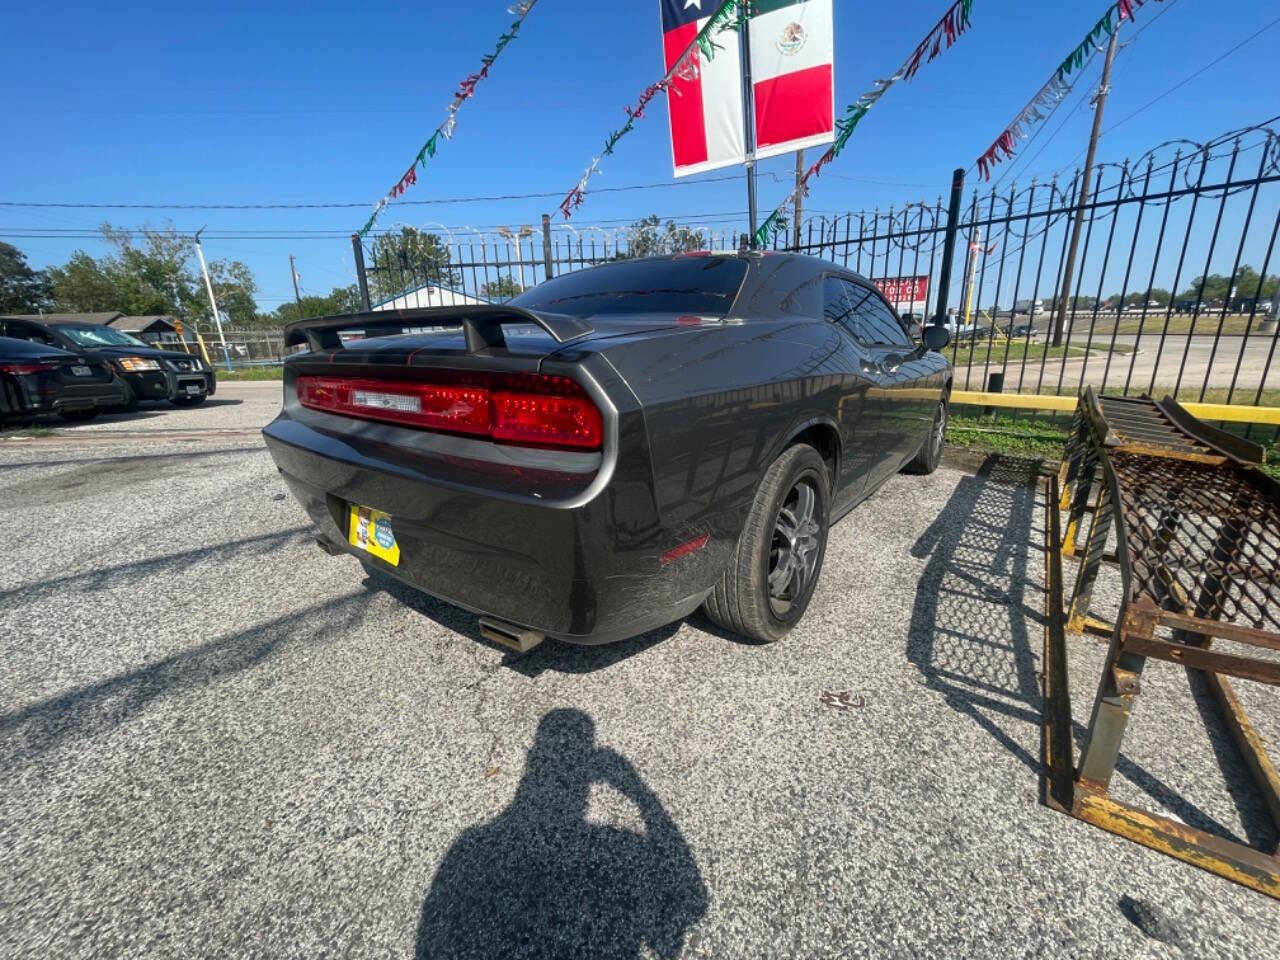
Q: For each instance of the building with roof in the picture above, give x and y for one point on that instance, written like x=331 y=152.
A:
x=153 y=329
x=428 y=296
x=101 y=319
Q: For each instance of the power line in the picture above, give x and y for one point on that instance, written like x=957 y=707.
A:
x=80 y=233
x=336 y=205
x=1184 y=82
x=1070 y=91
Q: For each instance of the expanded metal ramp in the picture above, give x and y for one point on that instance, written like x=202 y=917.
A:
x=1196 y=534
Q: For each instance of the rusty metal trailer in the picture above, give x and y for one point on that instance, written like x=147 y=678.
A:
x=1194 y=529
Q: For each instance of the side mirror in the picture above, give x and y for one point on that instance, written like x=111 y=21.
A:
x=936 y=337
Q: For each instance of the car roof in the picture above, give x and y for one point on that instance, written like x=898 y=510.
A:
x=15 y=347
x=754 y=257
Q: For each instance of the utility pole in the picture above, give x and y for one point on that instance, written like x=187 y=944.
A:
x=975 y=248
x=799 y=197
x=748 y=117
x=213 y=303
x=293 y=272
x=1099 y=103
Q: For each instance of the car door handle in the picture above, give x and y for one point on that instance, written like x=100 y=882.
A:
x=870 y=366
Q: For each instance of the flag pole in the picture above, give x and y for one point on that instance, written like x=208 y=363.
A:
x=748 y=116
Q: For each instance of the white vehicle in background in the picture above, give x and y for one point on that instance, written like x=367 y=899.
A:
x=959 y=329
x=1029 y=307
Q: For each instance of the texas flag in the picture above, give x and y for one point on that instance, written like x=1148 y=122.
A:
x=706 y=111
x=792 y=49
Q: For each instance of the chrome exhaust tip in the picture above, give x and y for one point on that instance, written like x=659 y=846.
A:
x=509 y=635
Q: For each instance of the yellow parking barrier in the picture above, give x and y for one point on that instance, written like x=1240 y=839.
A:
x=1216 y=412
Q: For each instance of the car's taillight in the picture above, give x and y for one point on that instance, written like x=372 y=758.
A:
x=461 y=409
x=20 y=368
x=527 y=409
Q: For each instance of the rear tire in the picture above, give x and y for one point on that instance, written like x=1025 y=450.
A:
x=770 y=579
x=79 y=416
x=930 y=455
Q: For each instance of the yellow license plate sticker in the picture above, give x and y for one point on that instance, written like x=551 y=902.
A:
x=370 y=530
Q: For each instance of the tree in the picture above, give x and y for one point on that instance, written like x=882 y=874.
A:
x=340 y=300
x=504 y=288
x=83 y=285
x=22 y=290
x=234 y=285
x=399 y=262
x=153 y=271
x=649 y=237
x=1218 y=287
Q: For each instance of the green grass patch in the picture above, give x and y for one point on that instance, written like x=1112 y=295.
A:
x=1206 y=325
x=9 y=433
x=1022 y=436
x=250 y=373
x=1044 y=436
x=975 y=354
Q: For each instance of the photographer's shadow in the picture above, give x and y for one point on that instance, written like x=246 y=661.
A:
x=541 y=881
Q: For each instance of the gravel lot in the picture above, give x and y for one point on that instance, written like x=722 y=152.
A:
x=217 y=741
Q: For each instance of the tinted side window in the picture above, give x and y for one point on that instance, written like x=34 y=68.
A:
x=876 y=322
x=842 y=303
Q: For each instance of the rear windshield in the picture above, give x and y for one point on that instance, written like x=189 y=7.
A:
x=702 y=286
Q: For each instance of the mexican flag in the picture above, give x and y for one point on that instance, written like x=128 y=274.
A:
x=792 y=49
x=792 y=53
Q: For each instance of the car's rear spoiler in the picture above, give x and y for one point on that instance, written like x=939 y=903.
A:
x=481 y=325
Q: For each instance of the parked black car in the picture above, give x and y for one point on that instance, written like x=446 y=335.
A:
x=615 y=447
x=147 y=372
x=36 y=379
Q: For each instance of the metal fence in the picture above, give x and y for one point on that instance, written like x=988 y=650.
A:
x=245 y=348
x=1145 y=312
x=1172 y=291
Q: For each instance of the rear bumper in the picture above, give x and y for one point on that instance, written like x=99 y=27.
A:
x=582 y=571
x=100 y=395
x=17 y=402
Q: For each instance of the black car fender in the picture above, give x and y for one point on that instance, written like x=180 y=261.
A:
x=821 y=432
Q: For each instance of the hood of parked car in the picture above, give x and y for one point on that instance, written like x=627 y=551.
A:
x=149 y=353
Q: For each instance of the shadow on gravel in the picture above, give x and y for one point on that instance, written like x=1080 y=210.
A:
x=551 y=655
x=89 y=458
x=969 y=635
x=541 y=881
x=104 y=578
x=100 y=707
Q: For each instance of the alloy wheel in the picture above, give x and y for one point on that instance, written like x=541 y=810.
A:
x=793 y=554
x=939 y=430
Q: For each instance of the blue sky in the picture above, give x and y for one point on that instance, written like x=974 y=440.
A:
x=238 y=102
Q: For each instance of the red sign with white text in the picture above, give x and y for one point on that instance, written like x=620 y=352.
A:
x=901 y=291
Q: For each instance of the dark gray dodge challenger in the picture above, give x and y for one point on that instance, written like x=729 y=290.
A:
x=615 y=447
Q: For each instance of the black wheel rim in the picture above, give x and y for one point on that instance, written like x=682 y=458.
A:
x=793 y=554
x=939 y=430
